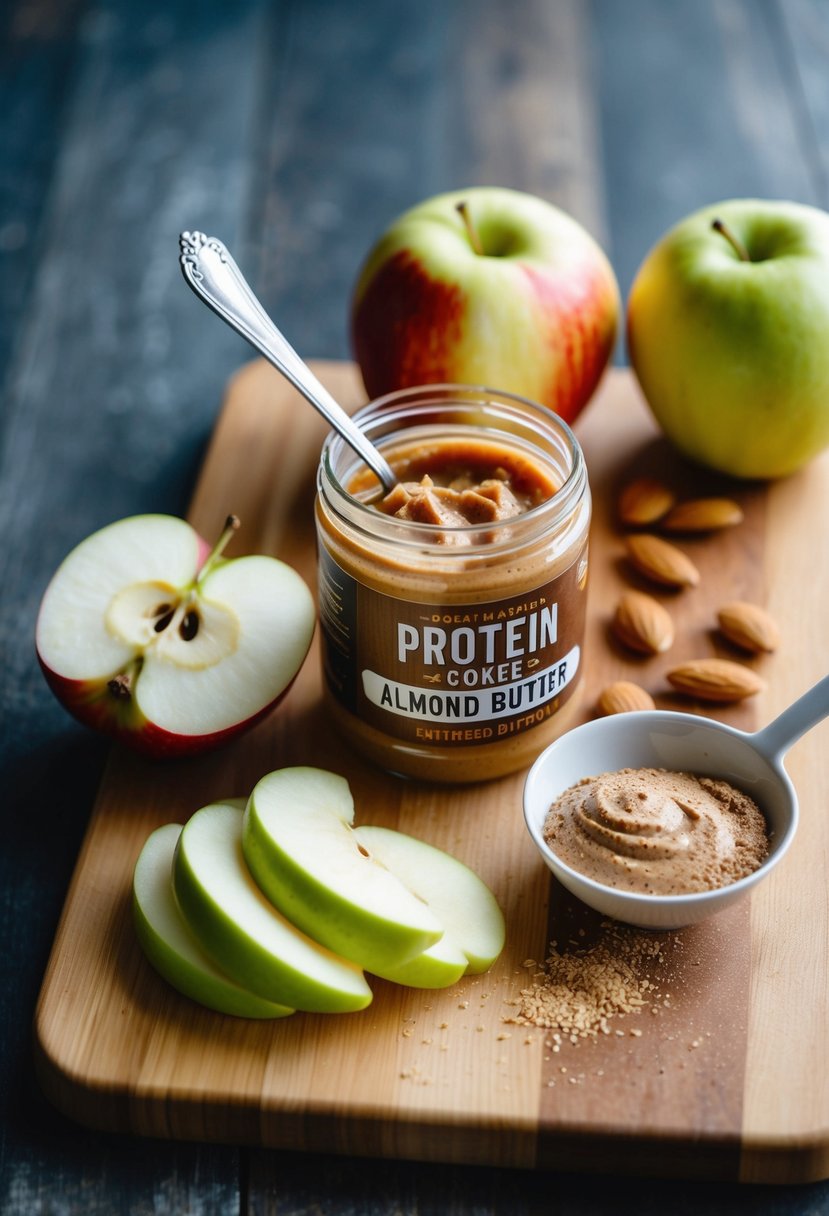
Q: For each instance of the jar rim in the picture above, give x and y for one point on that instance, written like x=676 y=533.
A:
x=396 y=406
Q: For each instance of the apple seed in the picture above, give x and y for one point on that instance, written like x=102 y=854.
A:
x=189 y=626
x=165 y=615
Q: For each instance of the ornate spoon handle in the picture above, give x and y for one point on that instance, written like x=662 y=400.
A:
x=214 y=276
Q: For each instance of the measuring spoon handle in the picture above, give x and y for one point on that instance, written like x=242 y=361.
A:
x=775 y=739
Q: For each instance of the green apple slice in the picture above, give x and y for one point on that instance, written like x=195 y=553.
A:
x=441 y=966
x=302 y=850
x=244 y=934
x=462 y=902
x=171 y=947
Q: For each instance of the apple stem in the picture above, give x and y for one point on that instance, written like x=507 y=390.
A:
x=733 y=240
x=471 y=230
x=232 y=524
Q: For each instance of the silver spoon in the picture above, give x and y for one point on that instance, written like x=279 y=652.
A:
x=683 y=742
x=214 y=276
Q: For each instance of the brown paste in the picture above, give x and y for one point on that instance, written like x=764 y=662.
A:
x=454 y=483
x=471 y=482
x=657 y=832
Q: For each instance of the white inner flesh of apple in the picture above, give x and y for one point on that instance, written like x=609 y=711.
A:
x=170 y=945
x=72 y=634
x=320 y=873
x=276 y=620
x=195 y=656
x=461 y=901
x=212 y=843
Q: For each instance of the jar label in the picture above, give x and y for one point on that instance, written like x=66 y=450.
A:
x=451 y=674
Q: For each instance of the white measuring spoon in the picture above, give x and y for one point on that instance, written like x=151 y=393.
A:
x=683 y=743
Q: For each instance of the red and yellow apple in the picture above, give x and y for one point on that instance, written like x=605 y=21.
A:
x=147 y=634
x=490 y=287
x=728 y=334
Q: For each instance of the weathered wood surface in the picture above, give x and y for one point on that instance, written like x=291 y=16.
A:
x=295 y=131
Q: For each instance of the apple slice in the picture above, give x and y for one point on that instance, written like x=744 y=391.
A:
x=462 y=902
x=243 y=932
x=140 y=635
x=441 y=966
x=171 y=947
x=302 y=850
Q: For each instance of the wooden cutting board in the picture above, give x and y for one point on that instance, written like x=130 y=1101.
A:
x=729 y=1080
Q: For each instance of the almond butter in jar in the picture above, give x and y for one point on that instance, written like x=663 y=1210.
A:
x=452 y=611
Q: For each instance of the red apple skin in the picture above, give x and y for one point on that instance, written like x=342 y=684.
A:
x=93 y=705
x=539 y=325
x=580 y=323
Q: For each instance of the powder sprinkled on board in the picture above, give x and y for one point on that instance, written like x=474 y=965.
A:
x=579 y=991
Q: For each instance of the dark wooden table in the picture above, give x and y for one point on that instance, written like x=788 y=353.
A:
x=296 y=131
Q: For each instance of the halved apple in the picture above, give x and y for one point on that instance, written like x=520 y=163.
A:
x=303 y=852
x=461 y=901
x=147 y=634
x=243 y=933
x=171 y=947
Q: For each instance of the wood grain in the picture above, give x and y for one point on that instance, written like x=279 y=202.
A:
x=787 y=1084
x=430 y=1075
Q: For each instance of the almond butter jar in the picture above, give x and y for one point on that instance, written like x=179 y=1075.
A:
x=452 y=649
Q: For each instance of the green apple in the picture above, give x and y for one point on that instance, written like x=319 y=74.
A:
x=486 y=286
x=472 y=920
x=441 y=966
x=728 y=334
x=302 y=850
x=242 y=931
x=146 y=633
x=171 y=947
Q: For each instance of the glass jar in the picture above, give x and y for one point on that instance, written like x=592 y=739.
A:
x=453 y=653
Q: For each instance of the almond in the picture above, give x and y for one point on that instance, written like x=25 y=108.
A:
x=642 y=624
x=749 y=626
x=661 y=561
x=644 y=501
x=715 y=680
x=624 y=697
x=703 y=515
